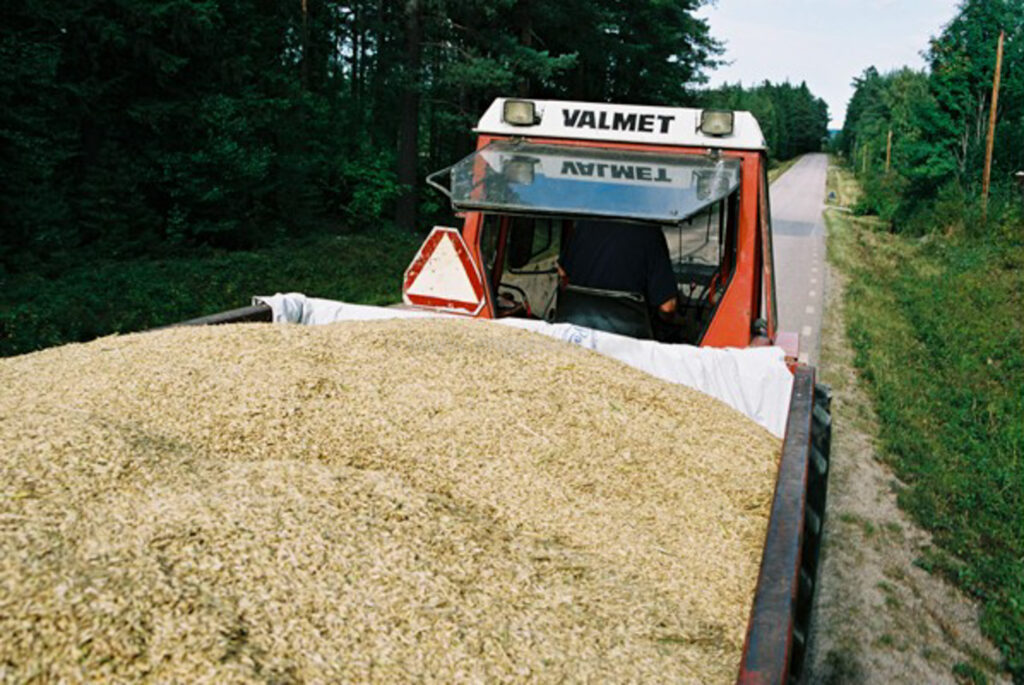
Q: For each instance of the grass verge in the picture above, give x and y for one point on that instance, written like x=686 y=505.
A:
x=779 y=168
x=936 y=326
x=115 y=296
x=842 y=189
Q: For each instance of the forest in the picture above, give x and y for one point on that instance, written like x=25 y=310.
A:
x=938 y=119
x=141 y=128
x=164 y=145
x=792 y=119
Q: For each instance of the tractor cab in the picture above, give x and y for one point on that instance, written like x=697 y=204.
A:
x=560 y=195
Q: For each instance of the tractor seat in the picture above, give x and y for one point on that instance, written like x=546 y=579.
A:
x=614 y=311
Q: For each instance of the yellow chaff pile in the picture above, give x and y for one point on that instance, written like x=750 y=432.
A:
x=429 y=500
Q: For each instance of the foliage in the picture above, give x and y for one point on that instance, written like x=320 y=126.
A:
x=147 y=126
x=938 y=336
x=119 y=296
x=939 y=121
x=792 y=119
x=141 y=131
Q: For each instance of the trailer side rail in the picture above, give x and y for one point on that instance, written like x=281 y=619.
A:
x=776 y=641
x=256 y=313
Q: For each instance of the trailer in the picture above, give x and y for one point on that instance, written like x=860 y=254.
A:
x=547 y=176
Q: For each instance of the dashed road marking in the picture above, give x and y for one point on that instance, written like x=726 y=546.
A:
x=812 y=294
x=803 y=358
x=806 y=331
x=814 y=281
x=810 y=309
x=814 y=269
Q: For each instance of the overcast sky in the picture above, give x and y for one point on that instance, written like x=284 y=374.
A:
x=824 y=42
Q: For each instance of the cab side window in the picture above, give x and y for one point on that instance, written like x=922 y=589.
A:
x=521 y=254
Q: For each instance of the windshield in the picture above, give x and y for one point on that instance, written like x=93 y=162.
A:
x=522 y=255
x=517 y=177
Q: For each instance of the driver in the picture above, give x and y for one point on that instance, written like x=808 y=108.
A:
x=614 y=255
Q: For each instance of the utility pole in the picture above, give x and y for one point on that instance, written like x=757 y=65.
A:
x=888 y=151
x=991 y=126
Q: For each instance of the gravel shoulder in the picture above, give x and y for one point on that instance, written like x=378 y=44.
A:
x=879 y=618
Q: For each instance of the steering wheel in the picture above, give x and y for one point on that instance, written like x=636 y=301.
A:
x=522 y=302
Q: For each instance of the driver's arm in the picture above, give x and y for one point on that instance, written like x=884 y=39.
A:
x=668 y=311
x=661 y=279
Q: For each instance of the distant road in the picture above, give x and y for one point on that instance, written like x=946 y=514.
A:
x=798 y=234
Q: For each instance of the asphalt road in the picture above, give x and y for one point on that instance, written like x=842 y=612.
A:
x=798 y=234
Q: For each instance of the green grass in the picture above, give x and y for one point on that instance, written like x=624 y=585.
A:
x=969 y=673
x=114 y=296
x=936 y=326
x=841 y=185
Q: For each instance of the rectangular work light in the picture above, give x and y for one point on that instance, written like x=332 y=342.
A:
x=716 y=122
x=520 y=169
x=519 y=113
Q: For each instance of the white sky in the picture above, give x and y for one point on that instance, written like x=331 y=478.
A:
x=824 y=42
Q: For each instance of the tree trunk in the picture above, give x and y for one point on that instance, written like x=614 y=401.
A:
x=305 y=45
x=525 y=22
x=357 y=54
x=408 y=128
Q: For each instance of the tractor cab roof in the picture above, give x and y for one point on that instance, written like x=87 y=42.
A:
x=675 y=126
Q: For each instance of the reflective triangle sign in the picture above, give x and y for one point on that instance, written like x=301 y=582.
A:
x=443 y=275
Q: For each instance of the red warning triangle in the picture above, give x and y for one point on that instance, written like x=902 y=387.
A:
x=443 y=275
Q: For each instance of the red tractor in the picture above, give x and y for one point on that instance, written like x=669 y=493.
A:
x=540 y=168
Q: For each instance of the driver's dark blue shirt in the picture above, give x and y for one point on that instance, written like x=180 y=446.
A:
x=620 y=256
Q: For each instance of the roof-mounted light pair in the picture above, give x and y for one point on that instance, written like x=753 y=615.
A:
x=713 y=122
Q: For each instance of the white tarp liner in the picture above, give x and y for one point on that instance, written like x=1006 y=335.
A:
x=754 y=381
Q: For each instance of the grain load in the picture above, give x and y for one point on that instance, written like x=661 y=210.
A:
x=420 y=499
